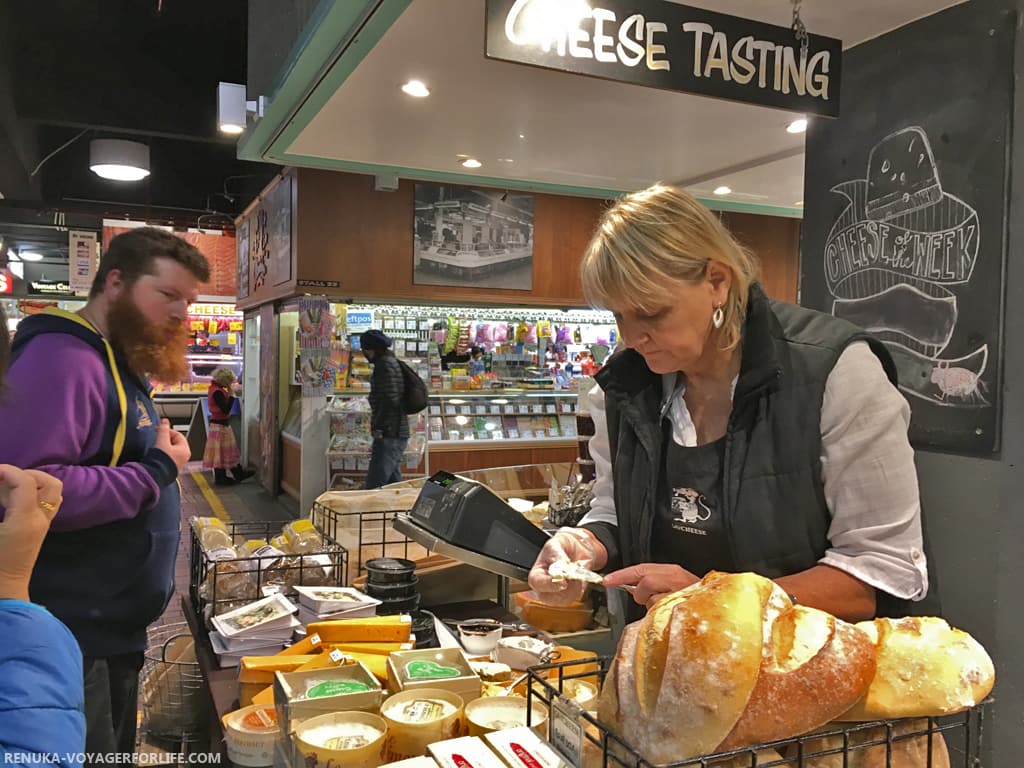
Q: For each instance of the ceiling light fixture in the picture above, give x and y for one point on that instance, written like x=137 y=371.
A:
x=30 y=256
x=118 y=159
x=797 y=126
x=723 y=190
x=416 y=88
x=233 y=109
x=471 y=162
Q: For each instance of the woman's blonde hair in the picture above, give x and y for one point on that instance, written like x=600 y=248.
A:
x=223 y=376
x=658 y=234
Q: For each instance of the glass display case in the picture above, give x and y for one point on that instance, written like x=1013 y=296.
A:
x=501 y=416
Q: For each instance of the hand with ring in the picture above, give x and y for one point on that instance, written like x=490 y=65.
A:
x=30 y=500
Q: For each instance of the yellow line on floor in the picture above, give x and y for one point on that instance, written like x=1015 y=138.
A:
x=211 y=498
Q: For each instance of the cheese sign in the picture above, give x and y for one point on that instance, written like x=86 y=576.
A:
x=675 y=47
x=565 y=730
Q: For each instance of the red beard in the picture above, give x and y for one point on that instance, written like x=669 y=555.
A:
x=157 y=351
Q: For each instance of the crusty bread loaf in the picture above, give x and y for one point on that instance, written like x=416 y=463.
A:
x=730 y=662
x=684 y=674
x=813 y=669
x=925 y=668
x=907 y=752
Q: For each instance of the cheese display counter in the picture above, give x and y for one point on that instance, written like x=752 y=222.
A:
x=305 y=672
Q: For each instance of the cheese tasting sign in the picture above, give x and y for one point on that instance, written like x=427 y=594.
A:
x=675 y=47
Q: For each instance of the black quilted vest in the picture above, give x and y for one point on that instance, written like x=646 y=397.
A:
x=772 y=492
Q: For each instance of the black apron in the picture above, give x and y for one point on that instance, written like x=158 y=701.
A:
x=689 y=529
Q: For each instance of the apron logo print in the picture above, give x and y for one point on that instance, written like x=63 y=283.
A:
x=689 y=506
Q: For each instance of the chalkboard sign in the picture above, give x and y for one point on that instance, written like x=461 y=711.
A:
x=905 y=214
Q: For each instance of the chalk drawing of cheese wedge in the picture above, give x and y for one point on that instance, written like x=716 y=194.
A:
x=902 y=176
x=906 y=315
x=956 y=382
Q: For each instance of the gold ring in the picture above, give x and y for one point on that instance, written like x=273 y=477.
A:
x=48 y=506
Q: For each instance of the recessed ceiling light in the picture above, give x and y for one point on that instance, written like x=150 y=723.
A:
x=522 y=135
x=232 y=128
x=471 y=162
x=505 y=160
x=797 y=126
x=30 y=256
x=723 y=190
x=416 y=88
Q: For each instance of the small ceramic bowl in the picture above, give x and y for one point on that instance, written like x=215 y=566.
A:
x=479 y=636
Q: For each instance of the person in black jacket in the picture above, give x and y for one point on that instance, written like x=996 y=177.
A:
x=389 y=425
x=736 y=433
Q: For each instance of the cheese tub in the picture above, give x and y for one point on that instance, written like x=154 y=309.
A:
x=420 y=717
x=348 y=739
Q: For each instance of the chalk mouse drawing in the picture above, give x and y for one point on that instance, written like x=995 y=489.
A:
x=891 y=260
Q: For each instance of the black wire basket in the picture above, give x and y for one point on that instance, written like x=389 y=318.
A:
x=585 y=741
x=368 y=535
x=218 y=586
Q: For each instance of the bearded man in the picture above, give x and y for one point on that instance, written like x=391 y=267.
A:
x=77 y=405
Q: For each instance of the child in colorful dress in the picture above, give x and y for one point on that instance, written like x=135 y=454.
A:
x=221 y=448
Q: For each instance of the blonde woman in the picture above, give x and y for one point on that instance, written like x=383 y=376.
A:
x=221 y=452
x=737 y=433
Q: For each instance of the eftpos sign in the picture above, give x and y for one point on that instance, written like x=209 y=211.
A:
x=675 y=47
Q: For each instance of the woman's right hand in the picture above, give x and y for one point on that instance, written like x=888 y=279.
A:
x=575 y=545
x=30 y=499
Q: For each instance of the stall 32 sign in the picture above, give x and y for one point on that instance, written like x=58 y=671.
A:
x=675 y=47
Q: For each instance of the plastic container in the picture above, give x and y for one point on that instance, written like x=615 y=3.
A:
x=398 y=605
x=302 y=537
x=392 y=591
x=389 y=570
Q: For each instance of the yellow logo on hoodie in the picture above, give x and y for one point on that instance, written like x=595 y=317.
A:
x=143 y=418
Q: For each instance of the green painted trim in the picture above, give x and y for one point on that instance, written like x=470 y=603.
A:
x=371 y=33
x=292 y=107
x=310 y=58
x=471 y=180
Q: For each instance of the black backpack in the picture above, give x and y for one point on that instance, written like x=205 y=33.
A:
x=414 y=391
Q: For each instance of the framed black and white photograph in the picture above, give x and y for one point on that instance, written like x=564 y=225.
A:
x=472 y=237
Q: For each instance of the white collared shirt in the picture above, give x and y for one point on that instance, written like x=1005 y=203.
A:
x=867 y=466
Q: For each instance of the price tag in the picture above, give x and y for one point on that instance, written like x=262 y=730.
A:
x=549 y=408
x=435 y=436
x=454 y=434
x=537 y=408
x=450 y=410
x=566 y=407
x=565 y=729
x=196 y=325
x=236 y=325
x=523 y=408
x=435 y=409
x=527 y=434
x=497 y=435
x=481 y=410
x=513 y=434
x=232 y=338
x=466 y=410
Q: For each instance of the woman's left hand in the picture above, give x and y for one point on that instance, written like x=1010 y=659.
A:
x=651 y=581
